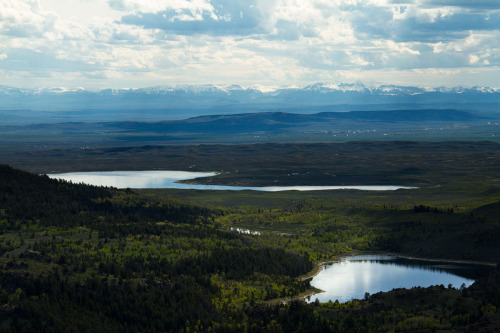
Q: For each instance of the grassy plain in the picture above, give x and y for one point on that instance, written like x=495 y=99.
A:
x=414 y=163
x=261 y=127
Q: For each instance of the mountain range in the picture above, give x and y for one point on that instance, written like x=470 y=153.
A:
x=21 y=106
x=213 y=95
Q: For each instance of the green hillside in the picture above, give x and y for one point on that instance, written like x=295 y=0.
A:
x=84 y=258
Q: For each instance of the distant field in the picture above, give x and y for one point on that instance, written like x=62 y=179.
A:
x=462 y=166
x=262 y=127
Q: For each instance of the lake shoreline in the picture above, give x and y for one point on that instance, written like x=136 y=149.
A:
x=189 y=180
x=451 y=261
x=318 y=265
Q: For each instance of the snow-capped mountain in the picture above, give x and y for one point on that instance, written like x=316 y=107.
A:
x=234 y=96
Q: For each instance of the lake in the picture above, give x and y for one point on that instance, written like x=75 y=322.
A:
x=171 y=179
x=356 y=275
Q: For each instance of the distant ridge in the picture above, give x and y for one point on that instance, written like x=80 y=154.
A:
x=271 y=122
x=275 y=121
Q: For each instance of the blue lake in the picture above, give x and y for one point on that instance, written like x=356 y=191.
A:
x=171 y=179
x=354 y=276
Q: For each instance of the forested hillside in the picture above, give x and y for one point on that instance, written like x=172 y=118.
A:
x=84 y=258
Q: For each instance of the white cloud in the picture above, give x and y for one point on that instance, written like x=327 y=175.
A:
x=219 y=17
x=272 y=42
x=473 y=59
x=24 y=19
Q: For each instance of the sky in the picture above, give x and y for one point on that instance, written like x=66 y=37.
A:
x=98 y=44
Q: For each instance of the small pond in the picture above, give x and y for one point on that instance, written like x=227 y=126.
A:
x=356 y=275
x=171 y=179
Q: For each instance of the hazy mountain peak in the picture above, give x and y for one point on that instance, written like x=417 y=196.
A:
x=332 y=86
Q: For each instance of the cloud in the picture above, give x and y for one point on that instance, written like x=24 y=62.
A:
x=24 y=19
x=222 y=17
x=274 y=42
x=478 y=4
x=41 y=60
x=152 y=6
x=414 y=24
